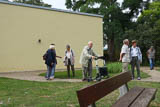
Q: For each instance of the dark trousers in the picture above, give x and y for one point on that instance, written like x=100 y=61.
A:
x=72 y=68
x=135 y=62
x=87 y=71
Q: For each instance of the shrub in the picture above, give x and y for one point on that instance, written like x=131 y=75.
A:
x=115 y=67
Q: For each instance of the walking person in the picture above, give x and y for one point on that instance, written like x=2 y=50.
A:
x=51 y=61
x=69 y=60
x=86 y=58
x=151 y=57
x=125 y=58
x=136 y=59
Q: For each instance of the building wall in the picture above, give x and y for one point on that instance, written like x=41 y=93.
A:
x=22 y=27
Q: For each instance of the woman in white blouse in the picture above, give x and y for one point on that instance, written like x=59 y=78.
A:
x=69 y=60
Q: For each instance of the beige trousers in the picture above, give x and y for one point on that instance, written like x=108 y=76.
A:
x=123 y=89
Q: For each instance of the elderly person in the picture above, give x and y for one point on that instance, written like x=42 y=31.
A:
x=86 y=58
x=51 y=62
x=125 y=58
x=136 y=59
x=151 y=57
x=69 y=60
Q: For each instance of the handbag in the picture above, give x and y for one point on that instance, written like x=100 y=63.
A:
x=139 y=55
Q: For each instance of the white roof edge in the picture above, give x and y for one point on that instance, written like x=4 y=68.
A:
x=52 y=9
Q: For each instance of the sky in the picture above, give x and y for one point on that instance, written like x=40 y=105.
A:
x=60 y=4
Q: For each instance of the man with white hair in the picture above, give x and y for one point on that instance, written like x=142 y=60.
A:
x=125 y=58
x=86 y=58
x=51 y=61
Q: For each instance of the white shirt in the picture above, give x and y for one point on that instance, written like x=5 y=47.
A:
x=68 y=54
x=134 y=51
x=126 y=50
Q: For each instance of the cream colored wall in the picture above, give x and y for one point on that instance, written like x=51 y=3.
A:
x=21 y=27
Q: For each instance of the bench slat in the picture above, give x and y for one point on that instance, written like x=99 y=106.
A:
x=127 y=99
x=145 y=98
x=91 y=94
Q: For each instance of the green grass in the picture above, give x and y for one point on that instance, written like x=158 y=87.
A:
x=20 y=93
x=63 y=74
x=113 y=69
x=78 y=74
x=158 y=70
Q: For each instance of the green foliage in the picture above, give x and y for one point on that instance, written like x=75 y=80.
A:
x=115 y=20
x=34 y=2
x=151 y=15
x=133 y=6
x=115 y=67
x=147 y=31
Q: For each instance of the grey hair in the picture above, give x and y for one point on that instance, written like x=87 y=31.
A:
x=125 y=40
x=90 y=42
x=152 y=47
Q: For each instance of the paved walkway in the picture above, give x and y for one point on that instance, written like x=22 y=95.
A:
x=155 y=74
x=34 y=76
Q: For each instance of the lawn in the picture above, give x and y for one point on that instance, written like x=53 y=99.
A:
x=158 y=70
x=20 y=93
x=78 y=74
x=113 y=69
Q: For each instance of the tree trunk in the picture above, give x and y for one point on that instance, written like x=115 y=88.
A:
x=111 y=50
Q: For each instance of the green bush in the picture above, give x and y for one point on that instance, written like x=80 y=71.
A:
x=115 y=67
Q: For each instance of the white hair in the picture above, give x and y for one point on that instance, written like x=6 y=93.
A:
x=51 y=46
x=90 y=42
x=125 y=40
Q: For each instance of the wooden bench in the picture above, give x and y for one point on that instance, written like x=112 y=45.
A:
x=135 y=97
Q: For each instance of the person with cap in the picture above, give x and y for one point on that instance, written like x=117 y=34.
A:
x=86 y=58
x=51 y=61
x=151 y=57
x=136 y=59
x=69 y=60
x=125 y=58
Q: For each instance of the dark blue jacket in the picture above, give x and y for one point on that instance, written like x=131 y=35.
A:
x=50 y=57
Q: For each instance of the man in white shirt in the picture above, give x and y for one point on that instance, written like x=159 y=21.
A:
x=136 y=59
x=125 y=58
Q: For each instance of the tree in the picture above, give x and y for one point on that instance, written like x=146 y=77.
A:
x=147 y=31
x=115 y=20
x=34 y=2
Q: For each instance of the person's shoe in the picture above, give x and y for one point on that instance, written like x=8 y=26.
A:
x=51 y=78
x=84 y=79
x=139 y=78
x=90 y=79
x=48 y=79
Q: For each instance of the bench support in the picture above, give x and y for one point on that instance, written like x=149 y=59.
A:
x=92 y=105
